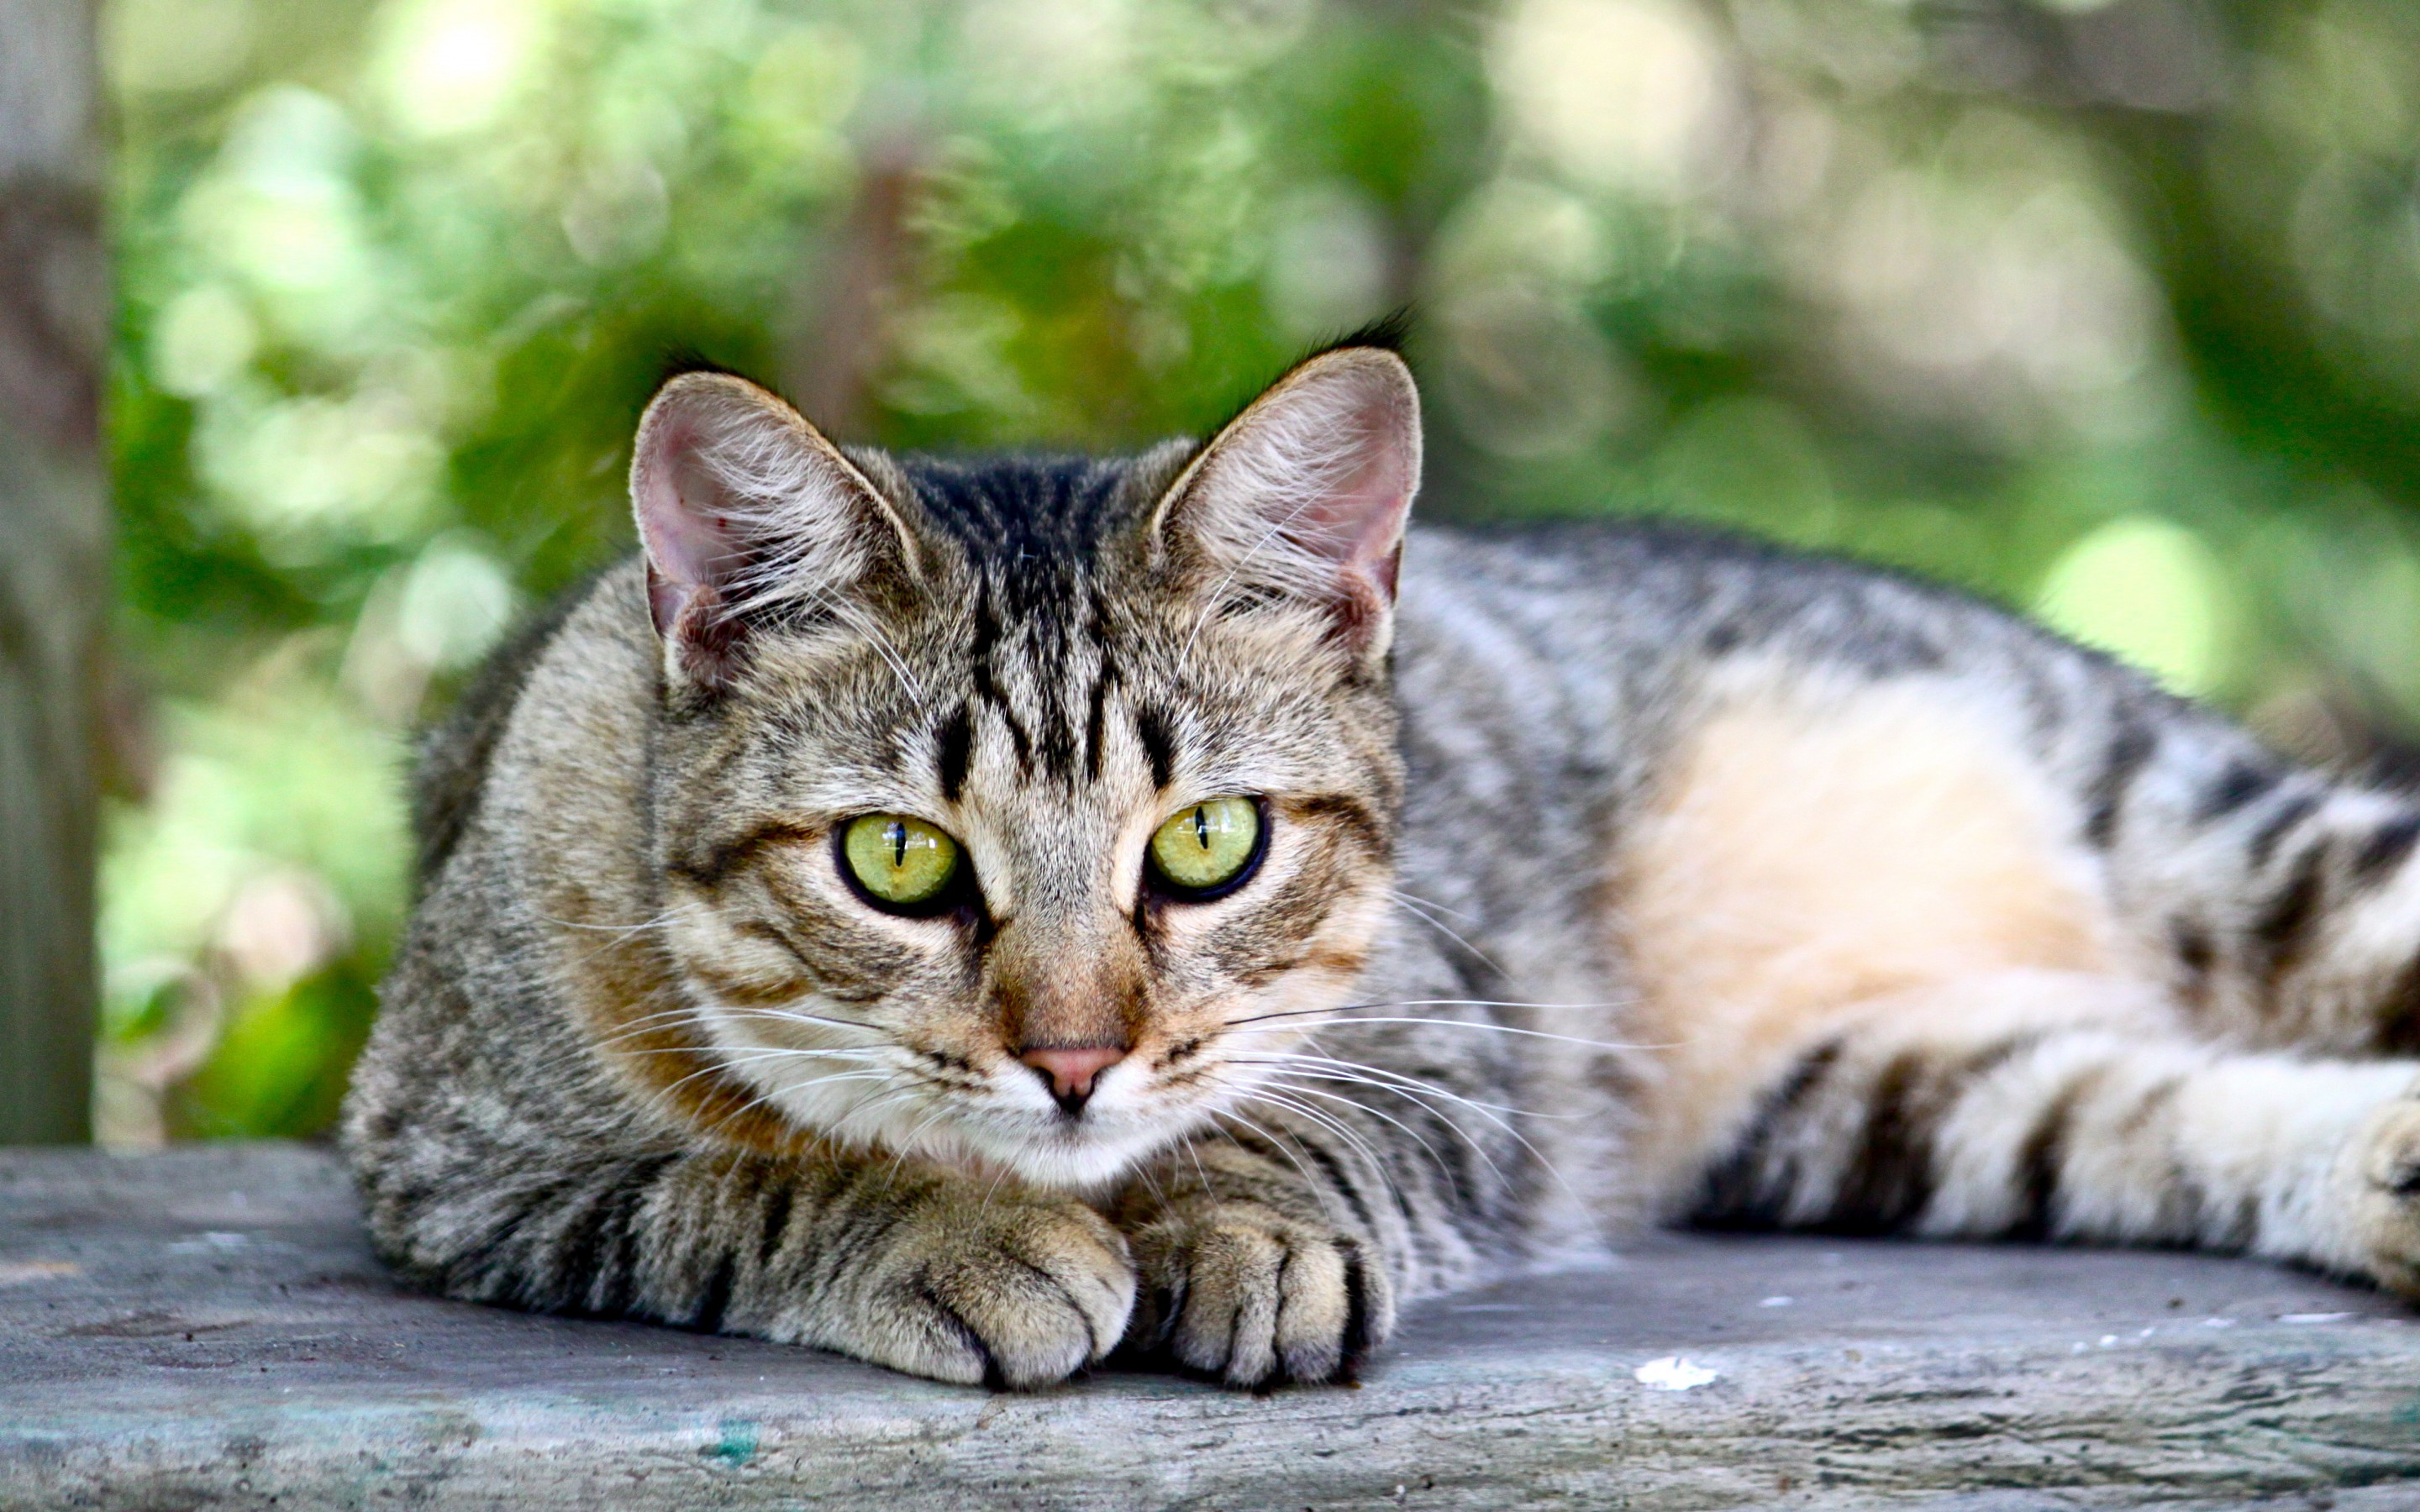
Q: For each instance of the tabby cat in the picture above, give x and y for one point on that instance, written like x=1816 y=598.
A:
x=978 y=916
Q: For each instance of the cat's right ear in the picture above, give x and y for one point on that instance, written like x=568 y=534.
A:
x=744 y=508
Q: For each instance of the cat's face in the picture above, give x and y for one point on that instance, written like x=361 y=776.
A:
x=1016 y=815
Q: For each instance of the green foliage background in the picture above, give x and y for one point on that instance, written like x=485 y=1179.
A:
x=2110 y=309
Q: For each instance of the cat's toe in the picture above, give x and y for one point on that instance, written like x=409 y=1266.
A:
x=2384 y=1177
x=1250 y=1297
x=1016 y=1294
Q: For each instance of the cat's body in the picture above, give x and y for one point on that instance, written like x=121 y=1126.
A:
x=1726 y=884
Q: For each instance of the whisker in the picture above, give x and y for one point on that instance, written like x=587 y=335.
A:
x=1368 y=1077
x=647 y=1022
x=793 y=1015
x=770 y=1092
x=1294 y=1088
x=754 y=1054
x=1277 y=1142
x=1431 y=902
x=993 y=1190
x=620 y=1038
x=1421 y=911
x=1476 y=1146
x=638 y=928
x=1451 y=1023
x=1201 y=1172
x=1361 y=1148
x=1286 y=1058
x=899 y=1154
x=867 y=1108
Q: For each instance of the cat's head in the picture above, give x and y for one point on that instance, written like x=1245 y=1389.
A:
x=1015 y=811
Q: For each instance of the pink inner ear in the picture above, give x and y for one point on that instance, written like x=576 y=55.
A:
x=1361 y=521
x=690 y=541
x=1327 y=463
x=1358 y=499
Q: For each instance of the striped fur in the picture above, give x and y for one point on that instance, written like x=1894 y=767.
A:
x=1621 y=872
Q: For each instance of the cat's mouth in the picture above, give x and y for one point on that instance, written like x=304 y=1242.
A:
x=1070 y=1118
x=1078 y=1148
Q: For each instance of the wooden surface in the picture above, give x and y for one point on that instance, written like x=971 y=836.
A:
x=206 y=1329
x=54 y=563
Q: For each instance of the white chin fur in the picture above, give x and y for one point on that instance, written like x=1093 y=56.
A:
x=844 y=1098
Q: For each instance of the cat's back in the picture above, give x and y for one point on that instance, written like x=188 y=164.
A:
x=1553 y=680
x=1653 y=602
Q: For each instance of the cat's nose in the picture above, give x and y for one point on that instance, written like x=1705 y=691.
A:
x=1069 y=1071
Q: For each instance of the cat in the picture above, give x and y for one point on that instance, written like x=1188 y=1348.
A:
x=980 y=916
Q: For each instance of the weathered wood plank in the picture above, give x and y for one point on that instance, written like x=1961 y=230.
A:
x=205 y=1329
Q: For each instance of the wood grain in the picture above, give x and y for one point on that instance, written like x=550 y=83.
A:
x=205 y=1329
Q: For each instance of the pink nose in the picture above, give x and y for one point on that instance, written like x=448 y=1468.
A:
x=1071 y=1071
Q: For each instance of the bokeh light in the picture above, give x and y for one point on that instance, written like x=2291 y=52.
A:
x=2109 y=308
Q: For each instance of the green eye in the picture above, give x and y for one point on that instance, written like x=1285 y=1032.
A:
x=901 y=862
x=1208 y=848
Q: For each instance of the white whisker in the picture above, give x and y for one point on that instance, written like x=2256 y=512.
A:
x=1451 y=1024
x=1421 y=911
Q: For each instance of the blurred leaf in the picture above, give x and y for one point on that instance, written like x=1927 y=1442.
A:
x=2007 y=292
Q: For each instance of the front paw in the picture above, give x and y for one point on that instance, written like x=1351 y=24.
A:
x=1244 y=1293
x=2383 y=1172
x=969 y=1286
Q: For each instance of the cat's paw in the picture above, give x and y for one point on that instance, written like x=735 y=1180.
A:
x=1020 y=1291
x=2383 y=1171
x=1245 y=1295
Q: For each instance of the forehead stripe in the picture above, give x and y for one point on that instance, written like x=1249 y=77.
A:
x=953 y=749
x=1097 y=722
x=1151 y=727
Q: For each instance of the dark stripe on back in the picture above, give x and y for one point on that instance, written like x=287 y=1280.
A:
x=2240 y=784
x=2274 y=828
x=2282 y=932
x=2386 y=848
x=2198 y=954
x=2134 y=746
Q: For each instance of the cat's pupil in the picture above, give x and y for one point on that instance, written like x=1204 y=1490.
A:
x=898 y=838
x=1202 y=826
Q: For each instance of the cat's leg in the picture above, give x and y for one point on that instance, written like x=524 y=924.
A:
x=1253 y=1272
x=924 y=1272
x=2038 y=1105
x=1382 y=1164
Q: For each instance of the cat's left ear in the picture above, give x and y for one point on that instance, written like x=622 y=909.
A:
x=1305 y=494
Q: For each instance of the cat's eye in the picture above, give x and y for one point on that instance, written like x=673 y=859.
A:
x=1208 y=849
x=899 y=863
